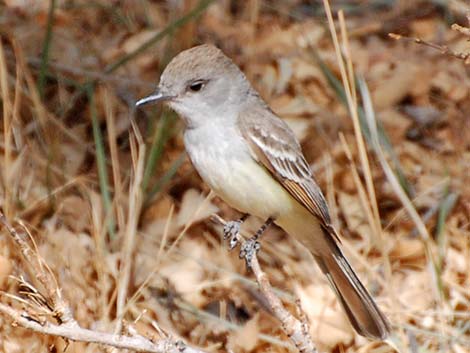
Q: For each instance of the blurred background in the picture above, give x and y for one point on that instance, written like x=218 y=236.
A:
x=107 y=190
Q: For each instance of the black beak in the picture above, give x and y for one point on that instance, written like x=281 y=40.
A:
x=153 y=98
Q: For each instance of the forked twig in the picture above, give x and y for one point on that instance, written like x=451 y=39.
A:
x=67 y=327
x=295 y=329
x=53 y=297
x=444 y=49
x=35 y=317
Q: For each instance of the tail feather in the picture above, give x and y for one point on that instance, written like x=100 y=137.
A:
x=363 y=313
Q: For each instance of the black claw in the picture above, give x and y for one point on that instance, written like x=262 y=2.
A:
x=234 y=242
x=231 y=229
x=251 y=246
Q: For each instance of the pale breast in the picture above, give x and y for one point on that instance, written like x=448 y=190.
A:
x=224 y=162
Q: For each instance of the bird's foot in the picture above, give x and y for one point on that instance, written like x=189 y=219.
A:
x=232 y=232
x=249 y=250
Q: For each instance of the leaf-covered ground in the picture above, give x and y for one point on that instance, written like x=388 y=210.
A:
x=71 y=153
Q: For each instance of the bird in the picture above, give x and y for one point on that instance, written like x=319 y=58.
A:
x=252 y=160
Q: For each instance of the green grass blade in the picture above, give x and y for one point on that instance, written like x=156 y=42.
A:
x=446 y=205
x=160 y=137
x=166 y=178
x=45 y=49
x=198 y=10
x=393 y=180
x=101 y=162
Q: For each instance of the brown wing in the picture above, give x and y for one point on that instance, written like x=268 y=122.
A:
x=274 y=145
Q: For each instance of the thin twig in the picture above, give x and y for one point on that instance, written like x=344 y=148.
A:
x=73 y=331
x=61 y=309
x=444 y=49
x=295 y=329
x=52 y=303
x=463 y=30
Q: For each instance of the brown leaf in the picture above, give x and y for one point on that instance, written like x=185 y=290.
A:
x=6 y=266
x=246 y=337
x=328 y=324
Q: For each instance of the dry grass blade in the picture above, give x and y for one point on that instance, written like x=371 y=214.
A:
x=7 y=126
x=209 y=318
x=348 y=76
x=171 y=274
x=180 y=236
x=198 y=10
x=349 y=87
x=371 y=120
x=135 y=207
x=433 y=265
x=340 y=92
x=295 y=329
x=116 y=166
x=53 y=295
x=169 y=29
x=163 y=242
x=52 y=302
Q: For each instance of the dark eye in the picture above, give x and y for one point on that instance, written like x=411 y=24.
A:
x=196 y=86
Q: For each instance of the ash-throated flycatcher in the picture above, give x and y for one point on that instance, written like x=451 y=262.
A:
x=252 y=160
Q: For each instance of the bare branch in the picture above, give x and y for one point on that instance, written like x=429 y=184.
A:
x=53 y=297
x=74 y=332
x=445 y=50
x=463 y=30
x=52 y=304
x=295 y=329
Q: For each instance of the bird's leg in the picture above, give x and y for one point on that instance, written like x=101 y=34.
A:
x=232 y=229
x=252 y=245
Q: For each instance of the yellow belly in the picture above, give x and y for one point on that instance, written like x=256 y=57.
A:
x=250 y=188
x=227 y=166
